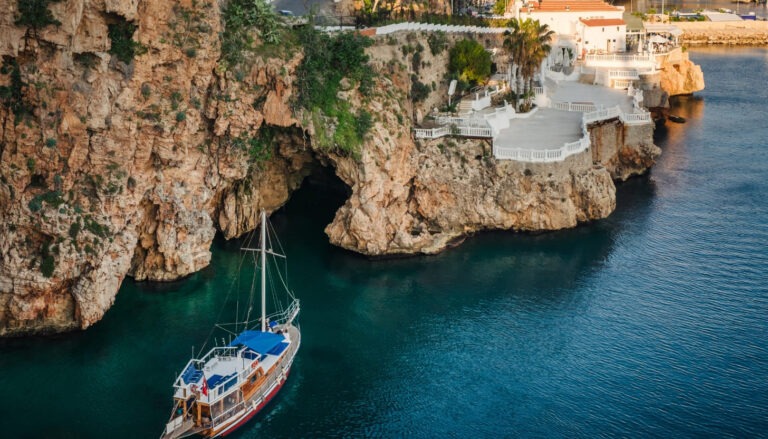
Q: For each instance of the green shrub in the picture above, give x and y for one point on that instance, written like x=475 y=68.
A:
x=94 y=227
x=328 y=59
x=242 y=18
x=416 y=62
x=419 y=91
x=437 y=42
x=259 y=148
x=470 y=61
x=48 y=265
x=35 y=204
x=181 y=116
x=35 y=14
x=50 y=142
x=74 y=230
x=123 y=46
x=146 y=91
x=175 y=99
x=12 y=95
x=364 y=123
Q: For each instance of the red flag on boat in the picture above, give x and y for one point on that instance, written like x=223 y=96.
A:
x=205 y=386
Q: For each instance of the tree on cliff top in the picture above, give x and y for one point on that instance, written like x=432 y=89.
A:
x=470 y=62
x=527 y=42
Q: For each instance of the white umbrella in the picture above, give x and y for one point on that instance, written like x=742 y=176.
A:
x=658 y=39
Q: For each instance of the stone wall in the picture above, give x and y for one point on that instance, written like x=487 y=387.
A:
x=754 y=33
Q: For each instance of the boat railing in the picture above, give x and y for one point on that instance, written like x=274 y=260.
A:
x=287 y=315
x=229 y=410
x=267 y=387
x=221 y=351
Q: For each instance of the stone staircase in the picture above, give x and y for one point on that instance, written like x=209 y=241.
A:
x=465 y=106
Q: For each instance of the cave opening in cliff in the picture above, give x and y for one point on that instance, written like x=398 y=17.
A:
x=318 y=198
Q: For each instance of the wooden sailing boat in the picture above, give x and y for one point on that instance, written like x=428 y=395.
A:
x=222 y=390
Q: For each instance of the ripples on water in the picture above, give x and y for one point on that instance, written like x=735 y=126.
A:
x=649 y=323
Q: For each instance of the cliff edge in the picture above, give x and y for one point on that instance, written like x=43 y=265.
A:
x=126 y=144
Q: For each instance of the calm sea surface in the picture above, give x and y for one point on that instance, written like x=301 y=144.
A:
x=652 y=323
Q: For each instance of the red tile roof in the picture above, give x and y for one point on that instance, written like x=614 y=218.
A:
x=570 y=6
x=597 y=22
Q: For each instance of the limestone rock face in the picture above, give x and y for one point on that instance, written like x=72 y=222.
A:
x=444 y=190
x=110 y=169
x=680 y=76
x=625 y=150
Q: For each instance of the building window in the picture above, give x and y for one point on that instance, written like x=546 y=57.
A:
x=603 y=29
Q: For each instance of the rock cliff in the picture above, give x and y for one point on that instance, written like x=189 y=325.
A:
x=679 y=75
x=114 y=166
x=423 y=196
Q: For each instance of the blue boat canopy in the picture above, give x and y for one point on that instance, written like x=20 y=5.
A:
x=261 y=342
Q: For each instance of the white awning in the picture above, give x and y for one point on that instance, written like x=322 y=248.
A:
x=659 y=28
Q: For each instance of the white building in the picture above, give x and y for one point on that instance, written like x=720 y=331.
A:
x=602 y=35
x=590 y=25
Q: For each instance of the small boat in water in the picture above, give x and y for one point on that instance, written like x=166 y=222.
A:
x=220 y=391
x=676 y=119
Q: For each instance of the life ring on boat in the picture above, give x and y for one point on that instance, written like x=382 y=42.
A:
x=193 y=388
x=254 y=364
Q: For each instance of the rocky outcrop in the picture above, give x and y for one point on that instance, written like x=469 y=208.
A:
x=446 y=189
x=111 y=168
x=422 y=197
x=680 y=76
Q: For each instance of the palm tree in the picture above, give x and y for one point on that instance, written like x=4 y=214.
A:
x=527 y=42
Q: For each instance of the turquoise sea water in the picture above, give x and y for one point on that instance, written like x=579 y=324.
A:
x=651 y=323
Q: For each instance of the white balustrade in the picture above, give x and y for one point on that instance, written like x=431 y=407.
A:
x=636 y=118
x=623 y=74
x=411 y=26
x=542 y=155
x=574 y=106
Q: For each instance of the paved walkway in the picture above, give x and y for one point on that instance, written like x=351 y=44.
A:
x=546 y=129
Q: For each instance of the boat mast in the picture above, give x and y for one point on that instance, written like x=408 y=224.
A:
x=263 y=271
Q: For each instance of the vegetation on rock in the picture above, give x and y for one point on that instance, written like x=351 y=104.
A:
x=437 y=42
x=35 y=14
x=123 y=46
x=259 y=148
x=327 y=60
x=241 y=19
x=12 y=95
x=188 y=26
x=470 y=62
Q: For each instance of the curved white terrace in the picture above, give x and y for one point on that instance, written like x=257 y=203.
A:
x=598 y=95
x=545 y=129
